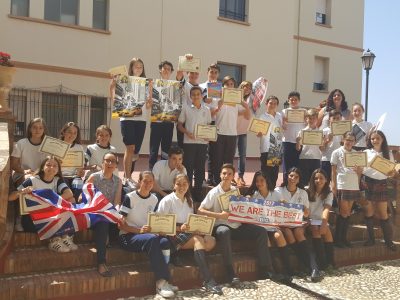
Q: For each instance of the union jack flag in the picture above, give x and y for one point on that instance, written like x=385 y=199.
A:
x=260 y=87
x=53 y=215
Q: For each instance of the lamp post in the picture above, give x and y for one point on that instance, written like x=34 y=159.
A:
x=367 y=61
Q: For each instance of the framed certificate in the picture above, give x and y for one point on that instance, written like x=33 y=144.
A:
x=73 y=159
x=258 y=125
x=382 y=165
x=341 y=127
x=189 y=65
x=214 y=90
x=312 y=137
x=202 y=224
x=53 y=146
x=165 y=224
x=232 y=96
x=206 y=132
x=295 y=115
x=352 y=159
x=22 y=205
x=224 y=199
x=120 y=70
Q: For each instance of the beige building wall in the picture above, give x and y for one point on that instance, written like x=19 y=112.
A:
x=279 y=42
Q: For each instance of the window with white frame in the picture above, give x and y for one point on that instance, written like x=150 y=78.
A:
x=233 y=9
x=321 y=73
x=63 y=11
x=235 y=70
x=100 y=14
x=20 y=8
x=323 y=12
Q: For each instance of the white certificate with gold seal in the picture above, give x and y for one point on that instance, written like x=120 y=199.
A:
x=312 y=137
x=73 y=159
x=383 y=165
x=341 y=127
x=206 y=132
x=258 y=125
x=200 y=224
x=232 y=95
x=224 y=199
x=189 y=65
x=54 y=147
x=295 y=115
x=160 y=223
x=355 y=159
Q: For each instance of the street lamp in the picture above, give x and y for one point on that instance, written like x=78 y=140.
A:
x=367 y=61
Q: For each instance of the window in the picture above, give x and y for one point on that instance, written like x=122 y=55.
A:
x=233 y=9
x=321 y=74
x=20 y=8
x=323 y=12
x=98 y=114
x=100 y=14
x=234 y=70
x=64 y=11
x=18 y=102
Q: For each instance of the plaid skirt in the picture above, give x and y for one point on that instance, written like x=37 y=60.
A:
x=177 y=241
x=375 y=190
x=347 y=195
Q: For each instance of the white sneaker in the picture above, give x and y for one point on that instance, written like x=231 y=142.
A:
x=67 y=241
x=174 y=288
x=56 y=244
x=164 y=289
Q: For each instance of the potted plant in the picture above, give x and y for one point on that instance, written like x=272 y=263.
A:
x=7 y=71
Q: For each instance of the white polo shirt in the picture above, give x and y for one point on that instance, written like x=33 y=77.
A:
x=272 y=196
x=346 y=178
x=28 y=154
x=211 y=203
x=226 y=119
x=136 y=209
x=372 y=173
x=275 y=130
x=292 y=129
x=171 y=204
x=309 y=151
x=332 y=146
x=164 y=175
x=299 y=197
x=317 y=206
x=191 y=116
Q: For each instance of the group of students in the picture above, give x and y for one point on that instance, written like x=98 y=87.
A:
x=169 y=187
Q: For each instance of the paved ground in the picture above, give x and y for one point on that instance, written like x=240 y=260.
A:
x=367 y=281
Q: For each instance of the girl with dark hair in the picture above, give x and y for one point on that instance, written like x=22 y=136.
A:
x=336 y=101
x=321 y=198
x=376 y=191
x=262 y=188
x=180 y=203
x=292 y=193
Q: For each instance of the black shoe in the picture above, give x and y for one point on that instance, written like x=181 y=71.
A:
x=176 y=261
x=235 y=281
x=212 y=287
x=369 y=243
x=391 y=246
x=316 y=275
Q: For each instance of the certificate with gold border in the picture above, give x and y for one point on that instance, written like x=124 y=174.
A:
x=73 y=159
x=312 y=137
x=341 y=127
x=120 y=70
x=295 y=115
x=189 y=65
x=258 y=125
x=160 y=223
x=224 y=199
x=382 y=165
x=22 y=205
x=232 y=95
x=355 y=159
x=201 y=224
x=206 y=132
x=55 y=147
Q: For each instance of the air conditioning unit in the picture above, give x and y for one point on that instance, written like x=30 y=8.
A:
x=320 y=18
x=318 y=86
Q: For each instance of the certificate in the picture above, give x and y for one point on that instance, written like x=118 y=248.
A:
x=214 y=90
x=120 y=70
x=206 y=132
x=341 y=127
x=53 y=146
x=258 y=125
x=73 y=159
x=159 y=223
x=295 y=115
x=312 y=137
x=189 y=65
x=353 y=159
x=224 y=199
x=202 y=224
x=382 y=165
x=232 y=96
x=22 y=205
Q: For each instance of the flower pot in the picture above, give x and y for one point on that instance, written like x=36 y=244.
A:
x=6 y=78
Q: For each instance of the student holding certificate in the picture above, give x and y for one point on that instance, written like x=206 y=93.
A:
x=271 y=143
x=345 y=186
x=321 y=198
x=179 y=202
x=195 y=149
x=376 y=192
x=361 y=128
x=336 y=101
x=134 y=233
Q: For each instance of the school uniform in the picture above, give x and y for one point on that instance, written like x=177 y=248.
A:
x=165 y=176
x=290 y=153
x=136 y=208
x=133 y=129
x=271 y=146
x=195 y=150
x=94 y=156
x=318 y=206
x=361 y=130
x=309 y=159
x=327 y=153
x=346 y=114
x=299 y=197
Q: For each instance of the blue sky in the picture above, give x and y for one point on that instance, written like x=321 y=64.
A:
x=382 y=37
